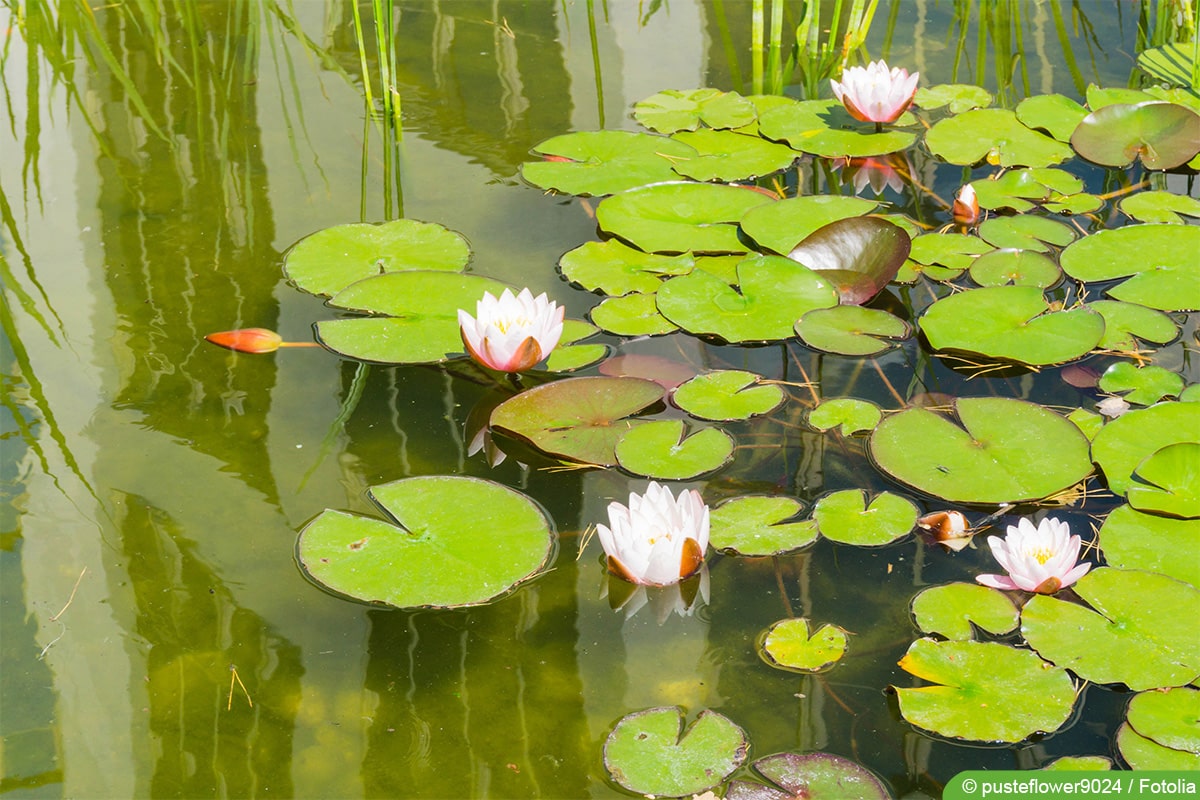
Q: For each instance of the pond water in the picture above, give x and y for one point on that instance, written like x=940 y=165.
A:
x=159 y=639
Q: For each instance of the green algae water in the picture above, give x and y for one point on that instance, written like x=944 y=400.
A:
x=158 y=636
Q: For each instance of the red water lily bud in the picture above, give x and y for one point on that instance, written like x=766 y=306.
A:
x=247 y=340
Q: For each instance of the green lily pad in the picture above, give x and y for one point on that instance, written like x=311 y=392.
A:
x=1024 y=189
x=1160 y=257
x=1170 y=718
x=1079 y=764
x=604 y=162
x=1125 y=323
x=1100 y=96
x=329 y=260
x=1088 y=422
x=1142 y=385
x=758 y=526
x=1146 y=754
x=634 y=314
x=825 y=128
x=1124 y=443
x=994 y=135
x=1171 y=63
x=1131 y=539
x=650 y=753
x=852 y=330
x=1010 y=267
x=852 y=414
x=727 y=395
x=572 y=357
x=959 y=97
x=812 y=776
x=952 y=252
x=1169 y=482
x=1159 y=206
x=950 y=609
x=580 y=419
x=1190 y=393
x=729 y=156
x=1126 y=638
x=460 y=541
x=678 y=217
x=659 y=449
x=782 y=225
x=616 y=269
x=1026 y=232
x=859 y=256
x=773 y=292
x=1011 y=323
x=674 y=110
x=985 y=691
x=421 y=322
x=1056 y=114
x=1006 y=451
x=1162 y=135
x=845 y=517
x=788 y=645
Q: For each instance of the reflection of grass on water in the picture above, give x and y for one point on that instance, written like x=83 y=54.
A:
x=389 y=121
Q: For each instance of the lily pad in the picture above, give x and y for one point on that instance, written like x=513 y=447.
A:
x=782 y=225
x=859 y=256
x=1124 y=443
x=674 y=110
x=852 y=330
x=616 y=269
x=1169 y=482
x=649 y=752
x=572 y=357
x=1125 y=323
x=1142 y=385
x=812 y=776
x=1016 y=268
x=1056 y=114
x=1079 y=764
x=1024 y=189
x=727 y=395
x=1027 y=232
x=329 y=260
x=851 y=414
x=1007 y=451
x=460 y=541
x=950 y=610
x=678 y=217
x=729 y=156
x=1160 y=257
x=788 y=645
x=1126 y=638
x=985 y=691
x=951 y=252
x=421 y=322
x=604 y=162
x=1170 y=718
x=825 y=128
x=659 y=449
x=1160 y=206
x=1131 y=539
x=845 y=517
x=1143 y=753
x=1162 y=135
x=959 y=97
x=772 y=294
x=1011 y=323
x=634 y=314
x=758 y=526
x=996 y=136
x=580 y=419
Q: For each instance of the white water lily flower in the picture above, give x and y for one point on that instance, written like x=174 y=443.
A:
x=656 y=540
x=875 y=93
x=1042 y=559
x=511 y=333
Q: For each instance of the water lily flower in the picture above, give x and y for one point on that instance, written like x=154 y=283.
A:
x=656 y=540
x=875 y=93
x=1042 y=559
x=253 y=340
x=966 y=206
x=511 y=333
x=878 y=172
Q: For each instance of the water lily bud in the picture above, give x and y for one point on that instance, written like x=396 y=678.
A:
x=247 y=340
x=966 y=206
x=948 y=528
x=511 y=333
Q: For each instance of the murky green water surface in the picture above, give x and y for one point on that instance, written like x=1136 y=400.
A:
x=159 y=639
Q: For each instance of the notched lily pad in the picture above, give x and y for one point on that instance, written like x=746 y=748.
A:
x=649 y=752
x=1010 y=267
x=825 y=128
x=674 y=110
x=1160 y=206
x=680 y=217
x=1131 y=539
x=1124 y=443
x=759 y=526
x=812 y=776
x=996 y=136
x=456 y=541
x=1125 y=323
x=1056 y=114
x=1168 y=482
x=951 y=609
x=727 y=395
x=616 y=269
x=1161 y=259
x=959 y=97
x=850 y=413
x=1027 y=232
x=852 y=330
x=1024 y=189
x=1170 y=719
x=729 y=156
x=663 y=449
x=1162 y=135
x=782 y=225
x=603 y=162
x=788 y=645
x=1141 y=385
x=634 y=314
x=846 y=517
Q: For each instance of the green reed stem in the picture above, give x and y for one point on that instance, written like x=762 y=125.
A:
x=756 y=47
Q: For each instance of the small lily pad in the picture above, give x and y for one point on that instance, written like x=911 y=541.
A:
x=729 y=156
x=984 y=691
x=852 y=330
x=1024 y=189
x=1160 y=206
x=1124 y=443
x=1162 y=135
x=996 y=136
x=1016 y=268
x=604 y=162
x=1079 y=764
x=571 y=357
x=1125 y=323
x=946 y=255
x=659 y=449
x=951 y=609
x=1141 y=385
x=1131 y=539
x=634 y=314
x=1027 y=232
x=674 y=110
x=616 y=269
x=788 y=645
x=782 y=225
x=727 y=395
x=811 y=776
x=679 y=217
x=1143 y=753
x=959 y=97
x=1170 y=718
x=845 y=517
x=852 y=414
x=1056 y=114
x=460 y=541
x=758 y=526
x=649 y=752
x=1169 y=482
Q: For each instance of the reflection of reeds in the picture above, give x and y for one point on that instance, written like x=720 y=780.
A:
x=392 y=130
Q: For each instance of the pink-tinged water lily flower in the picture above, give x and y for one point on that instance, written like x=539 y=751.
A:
x=511 y=333
x=875 y=93
x=1042 y=559
x=966 y=206
x=656 y=540
x=878 y=172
